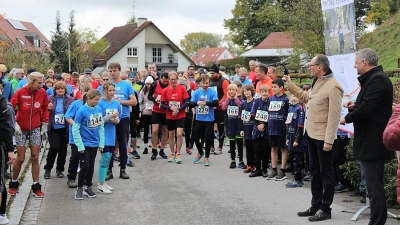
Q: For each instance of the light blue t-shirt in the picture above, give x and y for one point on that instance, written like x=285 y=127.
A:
x=245 y=82
x=110 y=128
x=70 y=114
x=88 y=128
x=8 y=92
x=123 y=90
x=204 y=113
x=58 y=122
x=22 y=83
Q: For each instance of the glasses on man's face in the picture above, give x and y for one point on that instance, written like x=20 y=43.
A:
x=60 y=88
x=106 y=79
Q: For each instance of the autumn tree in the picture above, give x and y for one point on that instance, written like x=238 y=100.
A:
x=381 y=10
x=192 y=42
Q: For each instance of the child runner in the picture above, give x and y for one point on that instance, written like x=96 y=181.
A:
x=296 y=141
x=88 y=133
x=233 y=125
x=204 y=99
x=262 y=151
x=247 y=125
x=175 y=99
x=111 y=109
x=278 y=109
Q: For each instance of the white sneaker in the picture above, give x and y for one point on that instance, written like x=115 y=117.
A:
x=103 y=189
x=108 y=187
x=3 y=220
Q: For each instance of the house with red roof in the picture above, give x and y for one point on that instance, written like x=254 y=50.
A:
x=207 y=55
x=136 y=45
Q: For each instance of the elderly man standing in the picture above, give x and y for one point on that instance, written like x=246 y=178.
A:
x=370 y=114
x=324 y=104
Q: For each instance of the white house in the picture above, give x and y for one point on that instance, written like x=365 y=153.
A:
x=136 y=45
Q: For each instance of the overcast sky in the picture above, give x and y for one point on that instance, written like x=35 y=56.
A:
x=174 y=17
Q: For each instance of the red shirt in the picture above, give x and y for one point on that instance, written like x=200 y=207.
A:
x=157 y=92
x=175 y=96
x=193 y=86
x=95 y=84
x=252 y=76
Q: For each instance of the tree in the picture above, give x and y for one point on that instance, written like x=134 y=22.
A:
x=59 y=47
x=132 y=20
x=192 y=42
x=75 y=45
x=381 y=10
x=233 y=48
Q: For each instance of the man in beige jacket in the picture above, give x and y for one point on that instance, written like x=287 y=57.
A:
x=324 y=104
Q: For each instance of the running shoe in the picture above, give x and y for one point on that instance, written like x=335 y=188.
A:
x=103 y=189
x=89 y=192
x=206 y=162
x=171 y=158
x=188 y=151
x=197 y=159
x=178 y=159
x=79 y=193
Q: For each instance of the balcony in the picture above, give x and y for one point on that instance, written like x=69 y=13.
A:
x=162 y=61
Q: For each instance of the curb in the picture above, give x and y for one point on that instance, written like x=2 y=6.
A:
x=18 y=206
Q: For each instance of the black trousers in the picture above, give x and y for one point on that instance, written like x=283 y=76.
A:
x=232 y=147
x=58 y=140
x=73 y=163
x=203 y=133
x=298 y=165
x=145 y=123
x=373 y=171
x=323 y=181
x=262 y=153
x=188 y=129
x=249 y=152
x=339 y=157
x=122 y=139
x=87 y=160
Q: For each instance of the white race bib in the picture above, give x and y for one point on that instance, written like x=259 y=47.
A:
x=109 y=112
x=95 y=120
x=257 y=95
x=262 y=115
x=289 y=118
x=203 y=110
x=176 y=104
x=245 y=116
x=149 y=105
x=59 y=119
x=275 y=106
x=233 y=110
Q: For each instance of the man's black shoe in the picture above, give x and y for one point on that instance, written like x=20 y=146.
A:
x=265 y=173
x=309 y=212
x=155 y=153
x=162 y=154
x=256 y=173
x=145 y=151
x=320 y=216
x=123 y=174
x=47 y=174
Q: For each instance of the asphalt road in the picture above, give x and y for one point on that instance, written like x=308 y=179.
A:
x=159 y=192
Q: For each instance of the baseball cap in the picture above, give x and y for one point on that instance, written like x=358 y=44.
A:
x=214 y=68
x=132 y=74
x=58 y=76
x=88 y=71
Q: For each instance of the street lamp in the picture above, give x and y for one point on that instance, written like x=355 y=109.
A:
x=69 y=50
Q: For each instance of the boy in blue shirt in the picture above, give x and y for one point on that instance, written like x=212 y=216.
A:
x=247 y=125
x=204 y=99
x=277 y=110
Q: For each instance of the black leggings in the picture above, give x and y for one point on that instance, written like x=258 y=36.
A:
x=73 y=163
x=87 y=160
x=145 y=123
x=262 y=153
x=188 y=129
x=232 y=146
x=58 y=146
x=122 y=139
x=203 y=133
x=249 y=152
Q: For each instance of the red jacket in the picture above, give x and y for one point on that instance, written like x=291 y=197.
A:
x=32 y=108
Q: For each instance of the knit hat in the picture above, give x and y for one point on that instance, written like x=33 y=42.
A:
x=183 y=81
x=149 y=79
x=214 y=68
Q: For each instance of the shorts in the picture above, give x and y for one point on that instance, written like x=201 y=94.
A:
x=132 y=127
x=159 y=118
x=34 y=136
x=109 y=149
x=173 y=124
x=203 y=130
x=277 y=141
x=219 y=116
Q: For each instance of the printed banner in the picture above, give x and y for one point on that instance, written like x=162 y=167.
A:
x=340 y=44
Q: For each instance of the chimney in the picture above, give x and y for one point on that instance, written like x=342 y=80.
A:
x=140 y=21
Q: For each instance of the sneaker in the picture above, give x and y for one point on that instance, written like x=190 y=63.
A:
x=255 y=173
x=308 y=177
x=294 y=184
x=108 y=187
x=281 y=176
x=197 y=159
x=171 y=158
x=37 y=190
x=320 y=216
x=123 y=174
x=309 y=212
x=162 y=154
x=60 y=174
x=218 y=151
x=339 y=188
x=154 y=155
x=206 y=162
x=109 y=175
x=130 y=164
x=72 y=183
x=241 y=165
x=248 y=169
x=4 y=220
x=135 y=155
x=232 y=165
x=178 y=159
x=146 y=151
x=212 y=151
x=89 y=192
x=115 y=157
x=103 y=189
x=13 y=188
x=47 y=174
x=265 y=173
x=188 y=151
x=272 y=175
x=79 y=193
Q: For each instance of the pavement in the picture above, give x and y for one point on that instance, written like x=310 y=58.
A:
x=159 y=192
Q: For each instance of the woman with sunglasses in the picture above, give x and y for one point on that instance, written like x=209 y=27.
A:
x=105 y=78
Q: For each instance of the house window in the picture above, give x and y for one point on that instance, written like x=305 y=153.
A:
x=157 y=55
x=20 y=41
x=36 y=42
x=132 y=52
x=133 y=69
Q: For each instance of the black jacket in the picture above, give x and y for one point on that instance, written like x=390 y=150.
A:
x=371 y=114
x=6 y=133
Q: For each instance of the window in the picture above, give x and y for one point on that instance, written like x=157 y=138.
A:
x=132 y=52
x=36 y=42
x=133 y=69
x=157 y=55
x=20 y=41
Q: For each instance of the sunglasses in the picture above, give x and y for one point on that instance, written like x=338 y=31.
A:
x=106 y=79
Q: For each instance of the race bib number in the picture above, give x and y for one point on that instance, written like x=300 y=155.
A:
x=245 y=116
x=257 y=95
x=233 y=110
x=275 y=106
x=149 y=105
x=95 y=120
x=174 y=104
x=289 y=118
x=203 y=110
x=109 y=112
x=59 y=119
x=262 y=115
